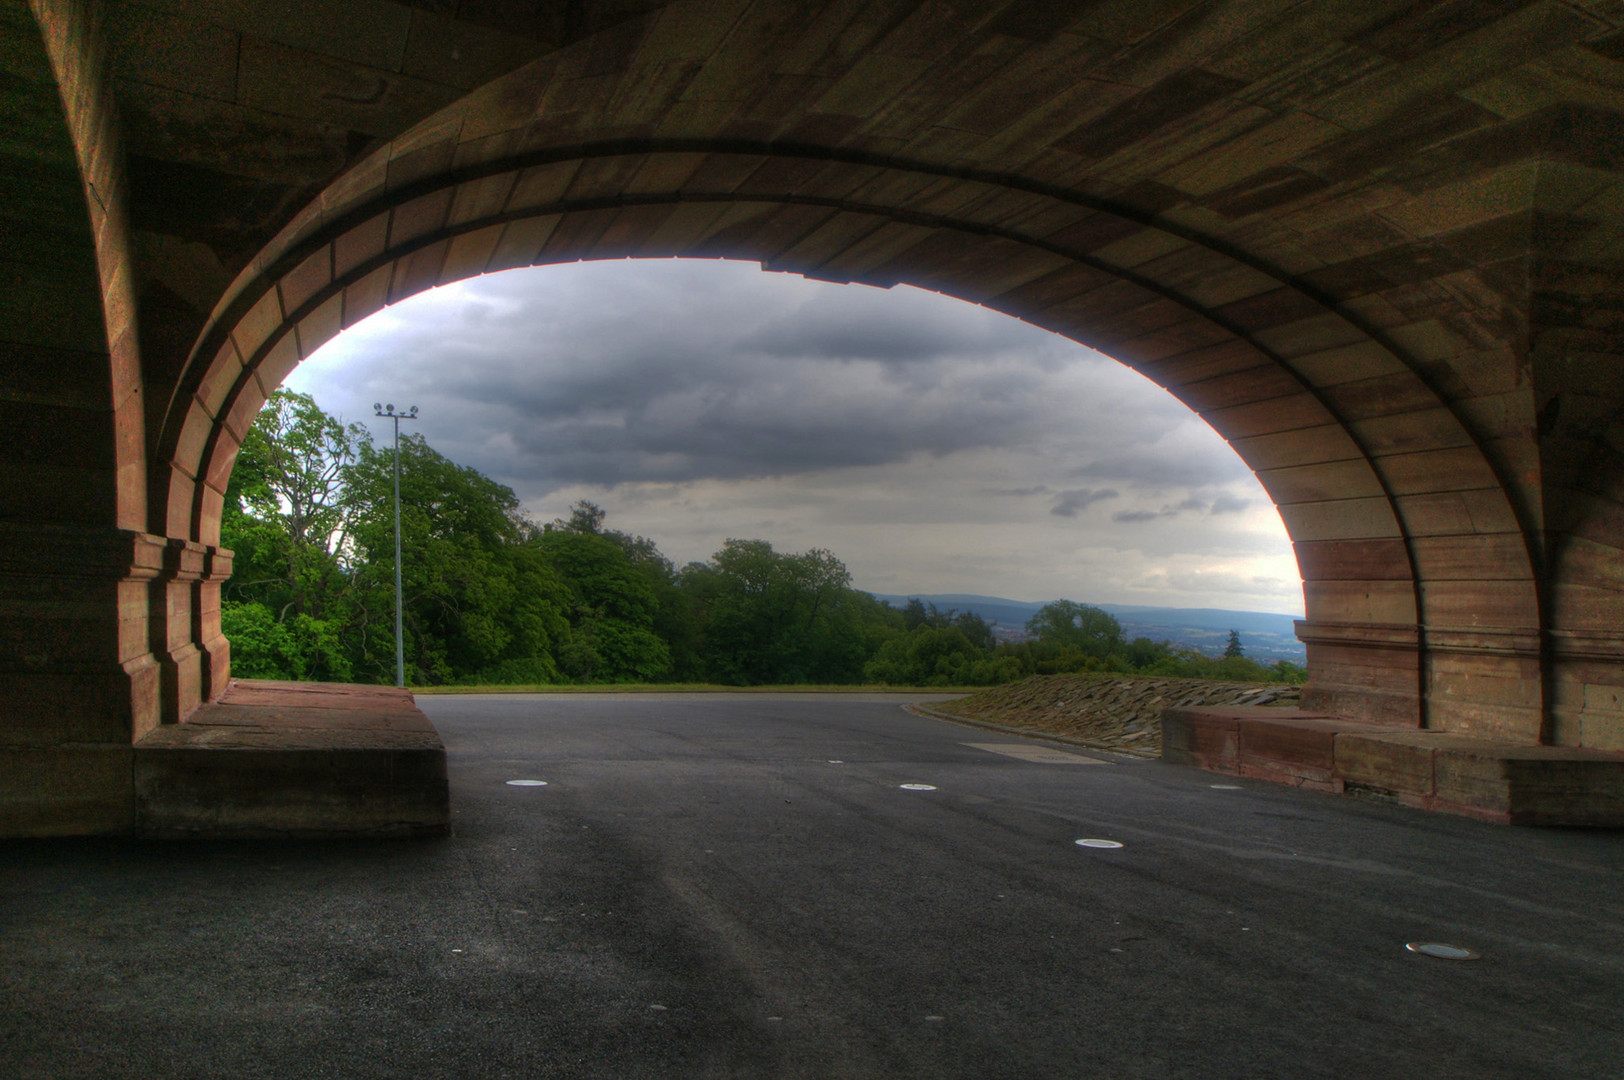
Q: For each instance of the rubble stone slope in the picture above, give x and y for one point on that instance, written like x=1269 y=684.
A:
x=1116 y=712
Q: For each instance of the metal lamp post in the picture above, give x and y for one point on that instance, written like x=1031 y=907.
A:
x=400 y=639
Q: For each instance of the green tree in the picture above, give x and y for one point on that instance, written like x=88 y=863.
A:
x=1076 y=627
x=774 y=617
x=673 y=622
x=473 y=601
x=285 y=514
x=299 y=648
x=938 y=656
x=916 y=614
x=614 y=604
x=1284 y=671
x=286 y=606
x=1233 y=649
x=975 y=628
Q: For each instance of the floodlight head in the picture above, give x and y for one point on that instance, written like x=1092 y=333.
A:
x=414 y=410
x=390 y=406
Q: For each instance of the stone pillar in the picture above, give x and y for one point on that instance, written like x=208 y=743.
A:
x=79 y=573
x=78 y=682
x=213 y=648
x=175 y=601
x=1371 y=671
x=194 y=656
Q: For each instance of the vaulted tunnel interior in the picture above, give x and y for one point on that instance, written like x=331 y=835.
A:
x=1282 y=378
x=1375 y=247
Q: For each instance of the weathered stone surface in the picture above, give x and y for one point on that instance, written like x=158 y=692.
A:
x=1397 y=762
x=1532 y=785
x=1498 y=782
x=290 y=759
x=1207 y=741
x=68 y=789
x=1115 y=712
x=1301 y=753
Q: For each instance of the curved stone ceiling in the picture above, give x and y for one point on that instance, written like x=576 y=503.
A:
x=1376 y=246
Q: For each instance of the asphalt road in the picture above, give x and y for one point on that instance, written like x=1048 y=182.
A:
x=740 y=886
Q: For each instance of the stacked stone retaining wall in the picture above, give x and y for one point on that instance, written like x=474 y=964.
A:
x=1116 y=712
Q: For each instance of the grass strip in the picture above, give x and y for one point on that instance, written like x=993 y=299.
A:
x=689 y=688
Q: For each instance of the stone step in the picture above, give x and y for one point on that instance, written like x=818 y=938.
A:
x=1432 y=770
x=295 y=759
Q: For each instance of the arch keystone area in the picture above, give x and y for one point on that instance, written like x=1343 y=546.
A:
x=1391 y=280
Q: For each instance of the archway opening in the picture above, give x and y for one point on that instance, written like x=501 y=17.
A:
x=1301 y=392
x=936 y=440
x=940 y=449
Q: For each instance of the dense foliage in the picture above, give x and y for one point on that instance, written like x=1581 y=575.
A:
x=492 y=597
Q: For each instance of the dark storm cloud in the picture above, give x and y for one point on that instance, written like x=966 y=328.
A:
x=1224 y=504
x=663 y=376
x=866 y=324
x=720 y=420
x=1169 y=467
x=1070 y=502
x=938 y=446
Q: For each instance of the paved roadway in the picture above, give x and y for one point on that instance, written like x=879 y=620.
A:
x=738 y=886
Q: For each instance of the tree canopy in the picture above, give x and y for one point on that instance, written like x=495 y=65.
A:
x=492 y=597
x=1079 y=627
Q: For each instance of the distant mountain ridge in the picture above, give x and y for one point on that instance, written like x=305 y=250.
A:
x=1264 y=635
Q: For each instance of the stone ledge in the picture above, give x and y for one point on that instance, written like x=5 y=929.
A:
x=71 y=789
x=1431 y=770
x=294 y=759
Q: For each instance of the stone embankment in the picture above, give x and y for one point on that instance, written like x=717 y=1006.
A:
x=1112 y=712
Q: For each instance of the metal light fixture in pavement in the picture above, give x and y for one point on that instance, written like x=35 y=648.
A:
x=400 y=647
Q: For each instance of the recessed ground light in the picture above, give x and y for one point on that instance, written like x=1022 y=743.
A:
x=1098 y=843
x=918 y=787
x=933 y=1019
x=1441 y=951
x=836 y=761
x=1225 y=787
x=657 y=1008
x=527 y=783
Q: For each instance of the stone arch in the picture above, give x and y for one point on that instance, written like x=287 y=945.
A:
x=1422 y=603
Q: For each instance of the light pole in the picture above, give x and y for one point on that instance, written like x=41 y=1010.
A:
x=400 y=642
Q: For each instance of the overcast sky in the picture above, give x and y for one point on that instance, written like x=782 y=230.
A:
x=933 y=445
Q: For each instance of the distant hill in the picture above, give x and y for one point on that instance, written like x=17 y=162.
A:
x=994 y=610
x=1265 y=636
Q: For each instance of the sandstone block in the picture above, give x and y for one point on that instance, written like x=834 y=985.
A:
x=1399 y=763
x=294 y=759
x=1532 y=785
x=77 y=789
x=1207 y=739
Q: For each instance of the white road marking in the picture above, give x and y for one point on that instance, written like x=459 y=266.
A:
x=1041 y=755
